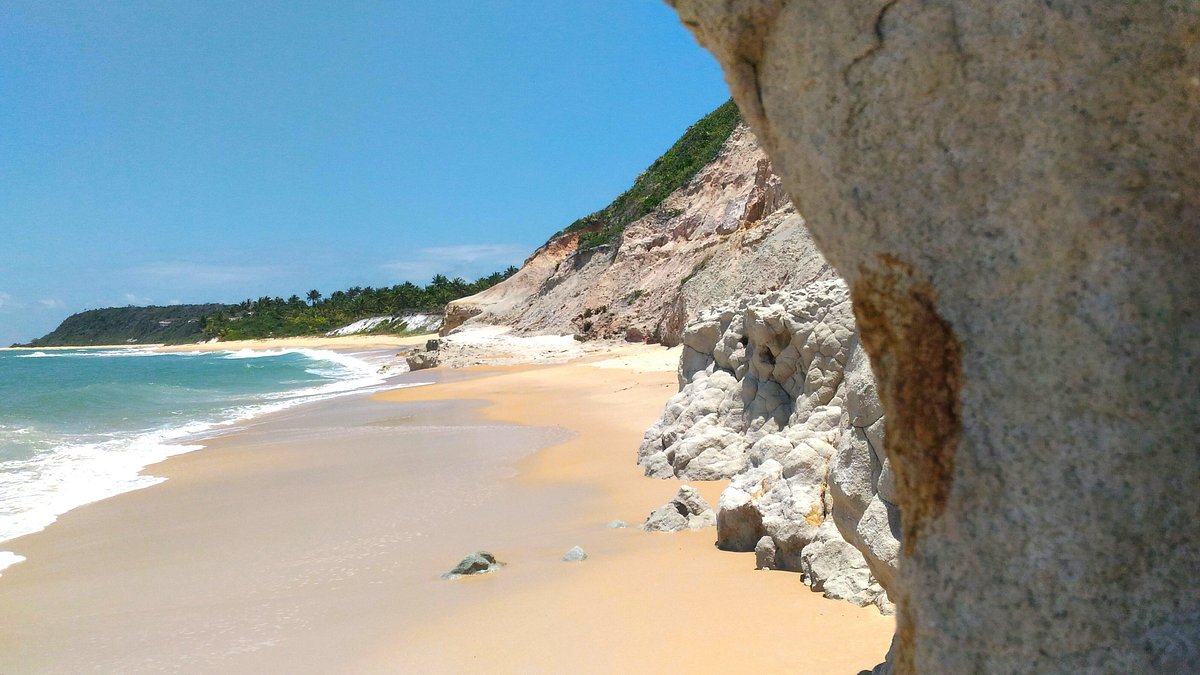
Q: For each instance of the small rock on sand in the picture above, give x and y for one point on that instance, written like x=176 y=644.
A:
x=764 y=553
x=479 y=562
x=687 y=510
x=617 y=524
x=576 y=554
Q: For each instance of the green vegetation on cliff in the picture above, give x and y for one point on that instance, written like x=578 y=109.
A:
x=314 y=314
x=697 y=147
x=130 y=325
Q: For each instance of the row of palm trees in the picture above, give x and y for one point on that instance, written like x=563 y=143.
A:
x=317 y=313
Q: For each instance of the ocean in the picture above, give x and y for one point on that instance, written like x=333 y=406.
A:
x=78 y=425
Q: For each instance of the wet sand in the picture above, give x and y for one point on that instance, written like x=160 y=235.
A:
x=313 y=542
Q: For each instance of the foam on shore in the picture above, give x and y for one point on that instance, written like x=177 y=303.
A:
x=73 y=471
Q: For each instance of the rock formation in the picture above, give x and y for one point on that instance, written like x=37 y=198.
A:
x=770 y=398
x=1011 y=190
x=687 y=511
x=479 y=562
x=729 y=231
x=421 y=360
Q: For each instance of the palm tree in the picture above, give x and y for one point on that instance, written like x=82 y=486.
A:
x=314 y=296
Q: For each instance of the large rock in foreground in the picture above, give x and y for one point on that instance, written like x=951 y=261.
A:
x=1011 y=189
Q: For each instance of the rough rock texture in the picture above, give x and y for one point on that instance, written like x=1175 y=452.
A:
x=687 y=510
x=765 y=400
x=479 y=562
x=728 y=232
x=862 y=487
x=1012 y=190
x=456 y=315
x=576 y=554
x=421 y=360
x=764 y=553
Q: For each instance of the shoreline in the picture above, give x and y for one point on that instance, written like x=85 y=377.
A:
x=159 y=444
x=344 y=342
x=540 y=503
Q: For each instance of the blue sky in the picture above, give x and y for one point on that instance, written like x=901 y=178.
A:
x=162 y=152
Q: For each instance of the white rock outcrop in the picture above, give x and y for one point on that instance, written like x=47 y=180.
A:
x=412 y=323
x=765 y=401
x=687 y=511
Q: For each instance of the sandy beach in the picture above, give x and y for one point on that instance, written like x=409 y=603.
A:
x=313 y=541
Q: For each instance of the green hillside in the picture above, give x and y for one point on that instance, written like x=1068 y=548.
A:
x=131 y=325
x=697 y=147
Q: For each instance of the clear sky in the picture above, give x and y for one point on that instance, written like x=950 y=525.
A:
x=181 y=151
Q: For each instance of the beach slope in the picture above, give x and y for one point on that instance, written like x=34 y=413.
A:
x=314 y=540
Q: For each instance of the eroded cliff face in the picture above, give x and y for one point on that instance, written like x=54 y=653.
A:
x=731 y=230
x=1011 y=190
x=776 y=395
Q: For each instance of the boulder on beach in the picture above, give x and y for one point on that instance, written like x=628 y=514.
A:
x=687 y=510
x=764 y=553
x=421 y=360
x=479 y=562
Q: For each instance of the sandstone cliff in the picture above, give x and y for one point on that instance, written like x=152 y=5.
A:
x=730 y=230
x=1010 y=189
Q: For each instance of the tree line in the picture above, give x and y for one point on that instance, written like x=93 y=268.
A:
x=316 y=313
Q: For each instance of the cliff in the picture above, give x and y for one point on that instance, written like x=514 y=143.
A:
x=728 y=231
x=775 y=393
x=1009 y=189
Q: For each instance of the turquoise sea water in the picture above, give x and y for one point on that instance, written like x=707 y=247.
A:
x=76 y=426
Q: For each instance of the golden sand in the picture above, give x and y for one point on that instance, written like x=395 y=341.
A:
x=313 y=542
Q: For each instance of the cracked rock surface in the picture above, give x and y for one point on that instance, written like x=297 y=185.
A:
x=1011 y=190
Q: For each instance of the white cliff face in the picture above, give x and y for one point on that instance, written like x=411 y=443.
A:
x=776 y=396
x=730 y=231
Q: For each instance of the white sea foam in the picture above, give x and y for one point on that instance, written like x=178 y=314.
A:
x=34 y=492
x=104 y=353
x=8 y=559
